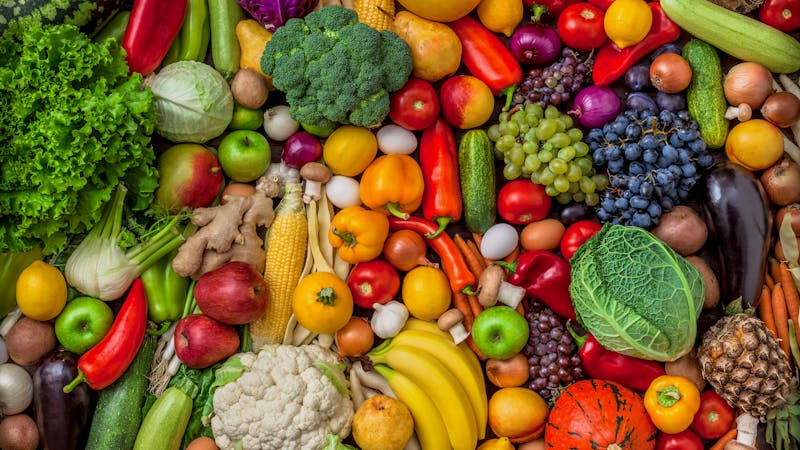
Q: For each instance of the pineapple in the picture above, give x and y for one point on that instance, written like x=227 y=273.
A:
x=744 y=363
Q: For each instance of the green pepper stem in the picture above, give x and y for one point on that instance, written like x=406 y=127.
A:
x=347 y=237
x=75 y=382
x=510 y=267
x=469 y=290
x=442 y=221
x=326 y=296
x=509 y=94
x=578 y=338
x=394 y=208
x=669 y=396
x=537 y=11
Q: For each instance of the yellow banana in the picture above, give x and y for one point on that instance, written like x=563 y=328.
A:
x=431 y=430
x=441 y=385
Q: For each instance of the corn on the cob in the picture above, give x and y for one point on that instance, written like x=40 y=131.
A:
x=286 y=243
x=369 y=12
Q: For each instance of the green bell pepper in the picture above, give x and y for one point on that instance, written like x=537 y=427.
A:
x=114 y=28
x=11 y=265
x=165 y=290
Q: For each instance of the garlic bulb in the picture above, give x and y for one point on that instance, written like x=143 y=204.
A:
x=388 y=319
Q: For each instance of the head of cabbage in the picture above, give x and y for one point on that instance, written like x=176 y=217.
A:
x=193 y=102
x=636 y=295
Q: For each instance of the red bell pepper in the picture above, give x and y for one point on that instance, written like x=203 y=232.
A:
x=781 y=14
x=612 y=62
x=438 y=158
x=554 y=7
x=545 y=276
x=602 y=4
x=487 y=58
x=576 y=235
x=453 y=263
x=629 y=371
x=152 y=27
x=108 y=359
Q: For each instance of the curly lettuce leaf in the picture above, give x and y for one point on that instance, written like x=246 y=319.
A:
x=636 y=295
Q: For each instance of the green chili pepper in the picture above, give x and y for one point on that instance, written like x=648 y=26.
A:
x=114 y=28
x=165 y=290
x=195 y=26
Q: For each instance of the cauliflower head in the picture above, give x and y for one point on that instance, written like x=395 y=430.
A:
x=283 y=401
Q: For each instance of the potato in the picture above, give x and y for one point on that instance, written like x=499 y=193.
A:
x=682 y=229
x=18 y=432
x=30 y=340
x=687 y=366
x=712 y=283
x=249 y=89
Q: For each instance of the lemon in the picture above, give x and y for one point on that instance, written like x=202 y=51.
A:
x=754 y=144
x=41 y=291
x=500 y=16
x=426 y=292
x=627 y=22
x=349 y=150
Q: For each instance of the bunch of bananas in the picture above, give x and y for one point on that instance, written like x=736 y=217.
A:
x=440 y=382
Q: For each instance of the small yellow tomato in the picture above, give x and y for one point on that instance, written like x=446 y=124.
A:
x=426 y=292
x=41 y=291
x=755 y=144
x=349 y=150
x=502 y=443
x=627 y=22
x=322 y=302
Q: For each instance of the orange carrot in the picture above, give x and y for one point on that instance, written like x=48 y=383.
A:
x=769 y=281
x=475 y=305
x=765 y=310
x=774 y=270
x=791 y=294
x=724 y=439
x=475 y=349
x=477 y=237
x=781 y=317
x=475 y=265
x=476 y=251
x=461 y=303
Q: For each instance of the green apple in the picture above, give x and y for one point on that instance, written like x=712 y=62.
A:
x=83 y=323
x=246 y=118
x=500 y=332
x=244 y=155
x=319 y=131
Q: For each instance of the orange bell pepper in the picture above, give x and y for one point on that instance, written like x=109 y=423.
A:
x=392 y=184
x=358 y=233
x=671 y=402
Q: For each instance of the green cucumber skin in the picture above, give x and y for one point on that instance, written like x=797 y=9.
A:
x=478 y=191
x=119 y=407
x=165 y=423
x=738 y=35
x=705 y=95
x=225 y=50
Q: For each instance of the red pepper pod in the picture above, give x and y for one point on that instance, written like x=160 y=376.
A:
x=453 y=263
x=438 y=158
x=487 y=58
x=612 y=62
x=602 y=4
x=108 y=359
x=152 y=27
x=781 y=14
x=545 y=276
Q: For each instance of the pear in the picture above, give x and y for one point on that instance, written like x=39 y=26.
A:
x=382 y=423
x=435 y=48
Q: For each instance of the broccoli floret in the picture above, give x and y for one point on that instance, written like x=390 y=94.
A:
x=368 y=109
x=289 y=75
x=396 y=57
x=331 y=19
x=290 y=38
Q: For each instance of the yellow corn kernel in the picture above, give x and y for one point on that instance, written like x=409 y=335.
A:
x=375 y=13
x=286 y=243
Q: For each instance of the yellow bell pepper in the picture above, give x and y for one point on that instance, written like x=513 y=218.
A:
x=627 y=22
x=392 y=184
x=672 y=401
x=322 y=302
x=358 y=234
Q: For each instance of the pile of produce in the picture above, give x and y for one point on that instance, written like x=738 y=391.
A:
x=391 y=225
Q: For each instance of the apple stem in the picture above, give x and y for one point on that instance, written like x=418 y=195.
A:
x=75 y=382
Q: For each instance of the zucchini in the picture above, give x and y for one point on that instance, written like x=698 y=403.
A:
x=478 y=187
x=225 y=49
x=88 y=15
x=738 y=35
x=705 y=95
x=119 y=406
x=166 y=421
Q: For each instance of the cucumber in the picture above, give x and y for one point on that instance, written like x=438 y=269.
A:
x=225 y=49
x=165 y=423
x=705 y=96
x=478 y=187
x=738 y=35
x=119 y=406
x=89 y=15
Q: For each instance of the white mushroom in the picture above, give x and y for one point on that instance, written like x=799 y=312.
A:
x=316 y=175
x=493 y=288
x=452 y=322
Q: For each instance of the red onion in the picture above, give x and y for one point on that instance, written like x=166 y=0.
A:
x=301 y=148
x=535 y=45
x=595 y=106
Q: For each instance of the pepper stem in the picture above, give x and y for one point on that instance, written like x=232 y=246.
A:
x=509 y=94
x=160 y=330
x=443 y=221
x=579 y=339
x=469 y=291
x=669 y=396
x=347 y=237
x=326 y=296
x=394 y=208
x=510 y=267
x=75 y=382
x=537 y=12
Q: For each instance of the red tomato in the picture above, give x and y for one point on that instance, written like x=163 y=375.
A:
x=415 y=106
x=522 y=201
x=685 y=440
x=577 y=233
x=580 y=26
x=374 y=281
x=715 y=416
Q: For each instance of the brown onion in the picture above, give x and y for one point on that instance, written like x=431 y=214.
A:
x=779 y=250
x=782 y=109
x=748 y=82
x=793 y=211
x=405 y=249
x=782 y=183
x=670 y=73
x=511 y=372
x=355 y=338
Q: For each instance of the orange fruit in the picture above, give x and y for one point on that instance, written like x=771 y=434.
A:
x=517 y=413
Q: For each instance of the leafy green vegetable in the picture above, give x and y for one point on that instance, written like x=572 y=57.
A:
x=73 y=124
x=635 y=294
x=334 y=442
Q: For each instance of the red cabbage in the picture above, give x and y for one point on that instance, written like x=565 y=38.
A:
x=274 y=13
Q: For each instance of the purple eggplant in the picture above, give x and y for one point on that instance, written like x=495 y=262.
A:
x=62 y=418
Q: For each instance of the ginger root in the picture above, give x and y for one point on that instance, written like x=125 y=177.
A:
x=228 y=232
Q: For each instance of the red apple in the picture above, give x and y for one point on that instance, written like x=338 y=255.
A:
x=234 y=293
x=201 y=341
x=190 y=176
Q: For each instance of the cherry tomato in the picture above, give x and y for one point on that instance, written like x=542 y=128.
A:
x=522 y=201
x=685 y=440
x=415 y=106
x=580 y=26
x=577 y=233
x=714 y=418
x=374 y=281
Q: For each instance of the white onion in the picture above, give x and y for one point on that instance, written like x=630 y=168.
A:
x=16 y=389
x=3 y=352
x=278 y=123
x=393 y=139
x=343 y=191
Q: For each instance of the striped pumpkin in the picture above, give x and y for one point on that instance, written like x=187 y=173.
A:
x=597 y=414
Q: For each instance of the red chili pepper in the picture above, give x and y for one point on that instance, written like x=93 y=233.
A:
x=546 y=276
x=487 y=58
x=453 y=264
x=602 y=4
x=438 y=158
x=108 y=359
x=598 y=362
x=611 y=62
x=152 y=27
x=781 y=14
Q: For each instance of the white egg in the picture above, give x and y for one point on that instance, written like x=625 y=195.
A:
x=343 y=191
x=394 y=139
x=499 y=240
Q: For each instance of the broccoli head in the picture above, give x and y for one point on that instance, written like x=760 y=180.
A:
x=335 y=69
